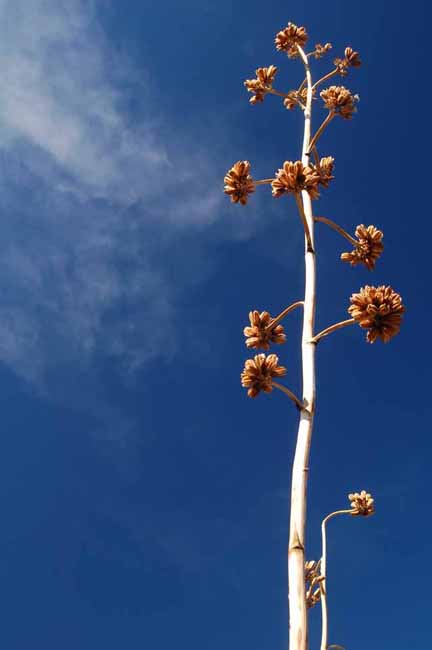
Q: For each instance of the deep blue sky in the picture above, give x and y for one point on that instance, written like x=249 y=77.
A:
x=144 y=497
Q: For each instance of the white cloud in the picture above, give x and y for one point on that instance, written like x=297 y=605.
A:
x=85 y=224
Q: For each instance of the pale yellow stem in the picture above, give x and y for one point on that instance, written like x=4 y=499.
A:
x=321 y=130
x=302 y=85
x=323 y=585
x=273 y=91
x=299 y=202
x=317 y=160
x=298 y=624
x=332 y=328
x=338 y=228
x=265 y=181
x=290 y=394
x=275 y=321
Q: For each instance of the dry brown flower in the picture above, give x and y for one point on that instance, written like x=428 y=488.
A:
x=295 y=98
x=295 y=177
x=325 y=170
x=259 y=334
x=379 y=310
x=258 y=373
x=262 y=84
x=352 y=57
x=362 y=504
x=239 y=183
x=340 y=100
x=266 y=75
x=313 y=578
x=290 y=102
x=368 y=249
x=321 y=50
x=287 y=39
x=255 y=86
x=350 y=60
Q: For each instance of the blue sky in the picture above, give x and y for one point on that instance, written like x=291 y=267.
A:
x=144 y=497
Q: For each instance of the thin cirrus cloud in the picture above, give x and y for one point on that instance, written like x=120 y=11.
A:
x=82 y=245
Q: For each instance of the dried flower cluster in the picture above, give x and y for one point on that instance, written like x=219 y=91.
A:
x=259 y=372
x=287 y=39
x=362 y=504
x=368 y=249
x=261 y=334
x=350 y=60
x=379 y=310
x=339 y=100
x=295 y=177
x=296 y=98
x=325 y=170
x=262 y=84
x=313 y=579
x=321 y=50
x=239 y=183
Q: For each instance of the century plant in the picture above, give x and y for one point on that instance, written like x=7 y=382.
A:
x=378 y=310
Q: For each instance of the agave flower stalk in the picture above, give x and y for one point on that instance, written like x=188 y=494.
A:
x=378 y=310
x=298 y=632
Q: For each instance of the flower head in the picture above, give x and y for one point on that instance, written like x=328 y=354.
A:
x=340 y=100
x=325 y=170
x=362 y=504
x=321 y=50
x=288 y=39
x=350 y=60
x=296 y=98
x=379 y=310
x=260 y=334
x=295 y=177
x=262 y=84
x=368 y=249
x=313 y=578
x=239 y=183
x=258 y=373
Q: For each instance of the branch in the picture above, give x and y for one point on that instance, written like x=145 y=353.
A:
x=321 y=129
x=332 y=328
x=339 y=229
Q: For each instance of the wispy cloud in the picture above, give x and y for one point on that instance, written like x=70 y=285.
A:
x=86 y=223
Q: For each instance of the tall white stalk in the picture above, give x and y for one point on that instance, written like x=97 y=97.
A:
x=298 y=628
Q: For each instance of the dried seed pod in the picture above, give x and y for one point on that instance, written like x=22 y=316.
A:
x=287 y=39
x=262 y=84
x=321 y=50
x=362 y=504
x=239 y=183
x=340 y=100
x=379 y=310
x=259 y=334
x=259 y=372
x=325 y=170
x=295 y=177
x=368 y=249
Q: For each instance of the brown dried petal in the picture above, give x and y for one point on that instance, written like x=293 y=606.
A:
x=258 y=373
x=368 y=249
x=295 y=177
x=239 y=183
x=379 y=310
